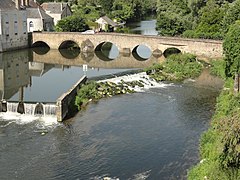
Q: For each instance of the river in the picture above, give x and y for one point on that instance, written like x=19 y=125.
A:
x=152 y=134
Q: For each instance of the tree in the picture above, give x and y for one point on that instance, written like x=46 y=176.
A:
x=106 y=5
x=232 y=15
x=123 y=10
x=209 y=22
x=72 y=24
x=231 y=49
x=173 y=17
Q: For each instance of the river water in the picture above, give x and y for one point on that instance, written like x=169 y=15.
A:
x=151 y=134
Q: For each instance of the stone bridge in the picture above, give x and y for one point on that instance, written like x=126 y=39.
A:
x=127 y=43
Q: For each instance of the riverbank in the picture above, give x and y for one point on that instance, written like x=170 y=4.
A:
x=219 y=146
x=177 y=67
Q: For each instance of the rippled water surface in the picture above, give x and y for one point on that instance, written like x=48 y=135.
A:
x=147 y=135
x=152 y=134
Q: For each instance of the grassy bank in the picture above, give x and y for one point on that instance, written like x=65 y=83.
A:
x=177 y=67
x=220 y=145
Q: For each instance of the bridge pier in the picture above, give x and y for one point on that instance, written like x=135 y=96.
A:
x=126 y=52
x=157 y=53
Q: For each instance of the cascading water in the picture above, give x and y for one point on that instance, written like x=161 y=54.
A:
x=44 y=114
x=49 y=109
x=12 y=107
x=33 y=108
x=141 y=77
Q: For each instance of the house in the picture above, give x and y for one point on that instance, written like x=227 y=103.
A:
x=13 y=25
x=37 y=19
x=106 y=24
x=57 y=10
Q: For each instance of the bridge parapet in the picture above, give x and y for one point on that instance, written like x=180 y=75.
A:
x=127 y=42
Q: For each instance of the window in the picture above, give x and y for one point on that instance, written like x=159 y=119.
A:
x=30 y=24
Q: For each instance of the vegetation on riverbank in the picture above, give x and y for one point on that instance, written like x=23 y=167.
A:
x=177 y=67
x=219 y=147
x=93 y=90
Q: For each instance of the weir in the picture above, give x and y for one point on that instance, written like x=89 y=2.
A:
x=40 y=109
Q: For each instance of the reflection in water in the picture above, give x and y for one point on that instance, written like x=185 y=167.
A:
x=41 y=50
x=43 y=78
x=70 y=53
x=69 y=49
x=141 y=52
x=107 y=51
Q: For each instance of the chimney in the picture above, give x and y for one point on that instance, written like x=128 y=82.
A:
x=17 y=3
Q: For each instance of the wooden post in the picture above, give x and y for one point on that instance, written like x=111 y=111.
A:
x=237 y=83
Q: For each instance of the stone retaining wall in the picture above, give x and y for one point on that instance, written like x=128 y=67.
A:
x=65 y=99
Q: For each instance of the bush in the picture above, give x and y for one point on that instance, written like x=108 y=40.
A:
x=218 y=68
x=176 y=68
x=182 y=66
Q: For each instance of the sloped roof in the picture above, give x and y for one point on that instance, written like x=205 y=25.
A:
x=54 y=7
x=37 y=13
x=7 y=5
x=106 y=19
x=34 y=4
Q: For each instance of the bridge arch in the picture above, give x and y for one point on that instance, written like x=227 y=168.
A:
x=69 y=44
x=40 y=47
x=171 y=50
x=142 y=52
x=107 y=51
x=69 y=49
x=40 y=44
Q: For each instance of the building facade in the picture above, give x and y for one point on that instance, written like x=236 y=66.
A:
x=37 y=19
x=57 y=10
x=13 y=25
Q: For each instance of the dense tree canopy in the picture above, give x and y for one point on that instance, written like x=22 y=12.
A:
x=232 y=14
x=172 y=17
x=188 y=18
x=72 y=24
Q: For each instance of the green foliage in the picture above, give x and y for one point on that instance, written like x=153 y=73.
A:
x=171 y=24
x=195 y=6
x=86 y=92
x=123 y=30
x=220 y=145
x=182 y=66
x=71 y=24
x=96 y=90
x=123 y=10
x=172 y=17
x=209 y=22
x=231 y=15
x=177 y=67
x=117 y=9
x=230 y=127
x=231 y=49
x=88 y=12
x=218 y=68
